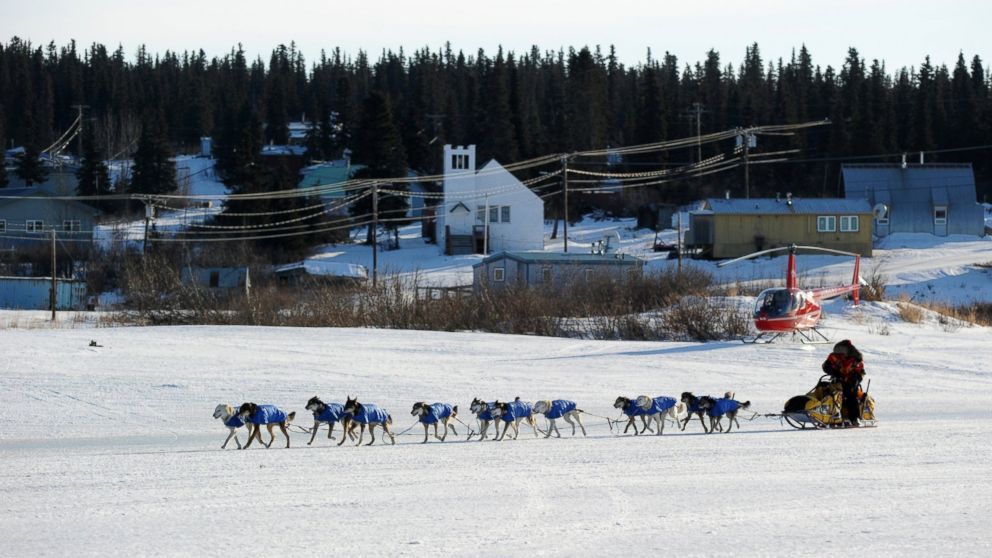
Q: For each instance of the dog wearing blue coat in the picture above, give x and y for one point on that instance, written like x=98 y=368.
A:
x=728 y=406
x=559 y=409
x=485 y=413
x=231 y=420
x=367 y=414
x=512 y=414
x=329 y=414
x=435 y=413
x=629 y=408
x=269 y=416
x=657 y=409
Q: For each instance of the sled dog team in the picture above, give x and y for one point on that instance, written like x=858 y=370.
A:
x=355 y=415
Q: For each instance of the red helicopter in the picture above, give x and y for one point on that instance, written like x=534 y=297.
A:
x=779 y=310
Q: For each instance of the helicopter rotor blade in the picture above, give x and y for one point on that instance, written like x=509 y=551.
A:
x=828 y=250
x=752 y=255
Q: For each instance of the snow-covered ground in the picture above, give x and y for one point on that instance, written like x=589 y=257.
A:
x=111 y=450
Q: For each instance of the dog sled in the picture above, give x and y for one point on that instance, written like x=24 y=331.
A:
x=821 y=407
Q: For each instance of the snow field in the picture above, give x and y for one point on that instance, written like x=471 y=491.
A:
x=113 y=450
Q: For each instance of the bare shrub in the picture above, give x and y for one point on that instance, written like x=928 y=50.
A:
x=910 y=313
x=875 y=288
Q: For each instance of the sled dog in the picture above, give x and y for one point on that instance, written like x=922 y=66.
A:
x=256 y=416
x=367 y=414
x=698 y=406
x=435 y=413
x=632 y=411
x=329 y=414
x=511 y=414
x=486 y=415
x=657 y=409
x=728 y=406
x=231 y=420
x=559 y=409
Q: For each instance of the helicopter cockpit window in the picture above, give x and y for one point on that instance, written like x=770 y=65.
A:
x=777 y=302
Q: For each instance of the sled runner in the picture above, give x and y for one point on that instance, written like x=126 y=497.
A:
x=821 y=407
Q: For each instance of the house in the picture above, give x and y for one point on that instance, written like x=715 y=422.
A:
x=34 y=293
x=931 y=198
x=329 y=180
x=28 y=215
x=322 y=270
x=730 y=228
x=216 y=278
x=546 y=269
x=488 y=210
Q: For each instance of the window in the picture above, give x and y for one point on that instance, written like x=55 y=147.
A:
x=71 y=226
x=826 y=223
x=459 y=161
x=480 y=214
x=505 y=210
x=940 y=215
x=849 y=223
x=3 y=226
x=546 y=274
x=33 y=225
x=214 y=279
x=499 y=274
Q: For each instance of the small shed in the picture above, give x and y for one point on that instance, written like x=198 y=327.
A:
x=34 y=293
x=219 y=278
x=931 y=198
x=730 y=228
x=546 y=269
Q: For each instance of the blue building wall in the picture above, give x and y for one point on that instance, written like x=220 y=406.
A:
x=31 y=293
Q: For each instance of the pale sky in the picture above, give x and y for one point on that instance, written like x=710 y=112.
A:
x=899 y=32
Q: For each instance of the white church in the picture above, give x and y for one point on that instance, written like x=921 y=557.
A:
x=486 y=211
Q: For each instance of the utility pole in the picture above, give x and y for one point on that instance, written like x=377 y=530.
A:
x=697 y=113
x=485 y=237
x=148 y=213
x=54 y=297
x=79 y=133
x=564 y=185
x=678 y=243
x=375 y=234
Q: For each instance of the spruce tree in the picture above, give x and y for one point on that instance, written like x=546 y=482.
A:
x=3 y=161
x=93 y=176
x=154 y=172
x=29 y=167
x=379 y=148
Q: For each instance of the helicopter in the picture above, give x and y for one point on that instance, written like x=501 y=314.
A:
x=791 y=309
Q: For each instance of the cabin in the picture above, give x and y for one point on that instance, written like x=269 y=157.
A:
x=937 y=199
x=554 y=270
x=34 y=293
x=486 y=210
x=730 y=228
x=218 y=279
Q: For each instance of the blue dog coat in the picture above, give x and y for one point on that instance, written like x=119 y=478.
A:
x=661 y=404
x=633 y=410
x=487 y=414
x=234 y=421
x=371 y=414
x=559 y=407
x=723 y=406
x=333 y=412
x=692 y=406
x=516 y=410
x=436 y=412
x=267 y=414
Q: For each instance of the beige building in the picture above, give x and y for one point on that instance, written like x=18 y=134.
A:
x=729 y=228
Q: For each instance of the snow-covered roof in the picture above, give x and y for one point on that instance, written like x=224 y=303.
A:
x=565 y=258
x=325 y=268
x=800 y=206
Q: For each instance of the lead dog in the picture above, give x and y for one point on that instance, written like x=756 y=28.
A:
x=367 y=414
x=559 y=409
x=728 y=406
x=629 y=408
x=484 y=412
x=660 y=408
x=256 y=416
x=231 y=420
x=698 y=406
x=435 y=413
x=511 y=414
x=329 y=414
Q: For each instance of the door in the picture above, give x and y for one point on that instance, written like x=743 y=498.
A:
x=940 y=220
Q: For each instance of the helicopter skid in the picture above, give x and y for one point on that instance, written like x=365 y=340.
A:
x=809 y=336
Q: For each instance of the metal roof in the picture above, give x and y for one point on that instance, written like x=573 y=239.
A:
x=798 y=206
x=562 y=258
x=913 y=184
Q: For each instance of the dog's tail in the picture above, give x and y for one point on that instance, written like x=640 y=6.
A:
x=579 y=410
x=745 y=404
x=290 y=417
x=454 y=411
